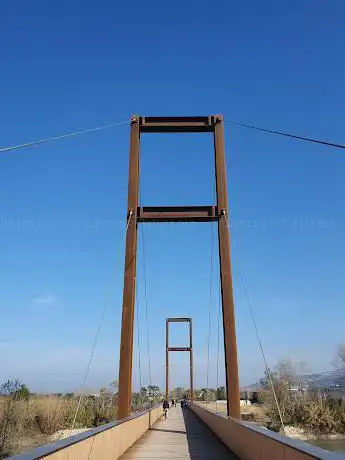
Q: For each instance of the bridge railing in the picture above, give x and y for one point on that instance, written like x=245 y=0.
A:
x=249 y=441
x=106 y=442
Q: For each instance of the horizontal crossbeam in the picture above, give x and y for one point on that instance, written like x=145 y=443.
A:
x=178 y=124
x=179 y=348
x=179 y=320
x=177 y=214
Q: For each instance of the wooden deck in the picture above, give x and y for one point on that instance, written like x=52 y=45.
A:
x=181 y=436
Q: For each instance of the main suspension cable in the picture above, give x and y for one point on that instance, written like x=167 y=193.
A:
x=62 y=136
x=282 y=133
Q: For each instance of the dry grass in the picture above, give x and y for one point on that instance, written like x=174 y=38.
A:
x=315 y=415
x=254 y=413
x=30 y=423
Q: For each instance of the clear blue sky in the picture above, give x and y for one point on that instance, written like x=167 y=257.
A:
x=69 y=65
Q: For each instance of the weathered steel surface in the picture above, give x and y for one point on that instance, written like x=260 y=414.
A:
x=218 y=212
x=179 y=320
x=167 y=360
x=231 y=365
x=179 y=349
x=177 y=214
x=191 y=378
x=176 y=124
x=127 y=328
x=188 y=349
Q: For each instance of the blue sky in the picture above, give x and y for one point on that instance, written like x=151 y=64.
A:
x=71 y=65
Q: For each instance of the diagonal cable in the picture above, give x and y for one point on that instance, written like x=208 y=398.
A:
x=86 y=375
x=251 y=309
x=218 y=344
x=209 y=316
x=87 y=371
x=139 y=351
x=146 y=307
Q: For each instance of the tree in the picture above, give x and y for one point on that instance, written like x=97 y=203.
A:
x=12 y=390
x=221 y=393
x=15 y=389
x=153 y=393
x=198 y=394
x=207 y=394
x=178 y=393
x=146 y=397
x=106 y=399
x=284 y=380
x=287 y=373
x=265 y=381
x=136 y=401
x=143 y=393
x=340 y=358
x=115 y=385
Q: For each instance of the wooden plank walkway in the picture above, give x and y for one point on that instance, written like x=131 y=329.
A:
x=181 y=436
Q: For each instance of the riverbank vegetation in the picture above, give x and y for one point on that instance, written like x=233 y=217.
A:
x=289 y=397
x=28 y=420
x=315 y=410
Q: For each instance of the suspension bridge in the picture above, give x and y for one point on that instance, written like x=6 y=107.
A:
x=192 y=432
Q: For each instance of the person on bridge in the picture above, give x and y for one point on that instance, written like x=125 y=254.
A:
x=165 y=408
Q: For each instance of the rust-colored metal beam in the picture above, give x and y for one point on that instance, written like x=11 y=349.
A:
x=177 y=214
x=188 y=349
x=231 y=365
x=219 y=213
x=176 y=124
x=167 y=360
x=127 y=328
x=179 y=348
x=191 y=379
x=179 y=320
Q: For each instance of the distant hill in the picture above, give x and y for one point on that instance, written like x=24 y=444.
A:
x=331 y=380
x=252 y=387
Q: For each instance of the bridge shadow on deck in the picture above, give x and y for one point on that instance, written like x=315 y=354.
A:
x=202 y=443
x=168 y=431
x=182 y=436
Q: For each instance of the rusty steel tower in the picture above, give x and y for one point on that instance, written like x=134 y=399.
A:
x=188 y=349
x=217 y=212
